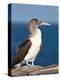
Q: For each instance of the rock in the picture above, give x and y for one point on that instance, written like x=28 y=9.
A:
x=36 y=70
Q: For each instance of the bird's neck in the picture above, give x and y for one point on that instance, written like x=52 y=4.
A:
x=36 y=37
x=35 y=32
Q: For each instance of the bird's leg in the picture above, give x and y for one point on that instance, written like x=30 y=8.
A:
x=30 y=63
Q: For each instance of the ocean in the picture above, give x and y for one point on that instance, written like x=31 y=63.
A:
x=48 y=54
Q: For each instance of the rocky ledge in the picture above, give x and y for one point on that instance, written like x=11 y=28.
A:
x=36 y=70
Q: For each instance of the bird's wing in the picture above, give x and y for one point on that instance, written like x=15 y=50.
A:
x=22 y=50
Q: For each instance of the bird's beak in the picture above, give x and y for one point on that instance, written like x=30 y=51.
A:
x=45 y=23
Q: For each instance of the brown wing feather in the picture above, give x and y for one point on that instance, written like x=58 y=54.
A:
x=22 y=50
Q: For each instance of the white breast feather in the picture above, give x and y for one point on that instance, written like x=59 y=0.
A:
x=36 y=43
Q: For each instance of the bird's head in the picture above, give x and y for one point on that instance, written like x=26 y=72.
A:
x=34 y=22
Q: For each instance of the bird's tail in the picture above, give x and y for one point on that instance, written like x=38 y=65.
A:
x=20 y=64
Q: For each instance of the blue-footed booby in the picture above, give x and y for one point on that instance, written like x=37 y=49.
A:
x=26 y=52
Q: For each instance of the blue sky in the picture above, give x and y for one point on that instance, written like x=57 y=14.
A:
x=23 y=12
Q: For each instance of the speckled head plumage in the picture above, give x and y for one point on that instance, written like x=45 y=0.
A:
x=33 y=25
x=34 y=22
